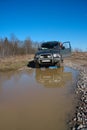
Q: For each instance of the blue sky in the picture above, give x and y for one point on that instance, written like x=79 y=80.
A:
x=45 y=20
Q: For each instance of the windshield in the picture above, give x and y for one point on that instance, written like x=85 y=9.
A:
x=50 y=45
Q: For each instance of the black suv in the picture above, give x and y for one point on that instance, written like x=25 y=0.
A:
x=52 y=53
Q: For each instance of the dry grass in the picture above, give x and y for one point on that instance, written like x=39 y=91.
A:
x=79 y=58
x=79 y=55
x=14 y=63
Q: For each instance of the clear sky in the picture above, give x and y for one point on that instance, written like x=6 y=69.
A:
x=45 y=20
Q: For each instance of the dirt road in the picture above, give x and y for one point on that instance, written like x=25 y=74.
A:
x=21 y=62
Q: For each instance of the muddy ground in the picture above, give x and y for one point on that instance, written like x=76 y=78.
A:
x=77 y=60
x=22 y=62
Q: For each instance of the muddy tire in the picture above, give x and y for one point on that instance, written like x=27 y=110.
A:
x=59 y=64
x=37 y=65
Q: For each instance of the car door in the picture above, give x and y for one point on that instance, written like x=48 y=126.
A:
x=66 y=49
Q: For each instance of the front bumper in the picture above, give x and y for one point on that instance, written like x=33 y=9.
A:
x=50 y=61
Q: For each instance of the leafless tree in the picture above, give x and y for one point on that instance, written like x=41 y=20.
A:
x=14 y=46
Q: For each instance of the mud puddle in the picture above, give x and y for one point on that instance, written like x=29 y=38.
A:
x=37 y=99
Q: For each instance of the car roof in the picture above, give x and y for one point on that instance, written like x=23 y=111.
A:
x=50 y=42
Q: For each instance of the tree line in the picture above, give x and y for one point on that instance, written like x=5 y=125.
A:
x=14 y=46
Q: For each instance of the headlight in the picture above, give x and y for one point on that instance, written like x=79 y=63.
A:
x=36 y=56
x=41 y=56
x=56 y=55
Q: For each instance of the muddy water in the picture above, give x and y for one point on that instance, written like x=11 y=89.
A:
x=37 y=99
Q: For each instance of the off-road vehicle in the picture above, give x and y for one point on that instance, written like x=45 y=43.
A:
x=52 y=53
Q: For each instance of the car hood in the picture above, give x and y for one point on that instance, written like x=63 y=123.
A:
x=47 y=51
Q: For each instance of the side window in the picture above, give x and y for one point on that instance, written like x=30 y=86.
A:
x=67 y=49
x=66 y=45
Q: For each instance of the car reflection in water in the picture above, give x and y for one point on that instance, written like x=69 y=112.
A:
x=52 y=78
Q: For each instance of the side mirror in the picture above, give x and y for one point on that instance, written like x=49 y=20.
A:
x=63 y=47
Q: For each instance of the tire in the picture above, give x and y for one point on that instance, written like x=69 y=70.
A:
x=58 y=64
x=37 y=65
x=61 y=59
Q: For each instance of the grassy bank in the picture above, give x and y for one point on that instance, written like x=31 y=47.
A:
x=14 y=62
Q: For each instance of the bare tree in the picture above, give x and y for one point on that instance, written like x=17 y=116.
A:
x=6 y=47
x=28 y=46
x=77 y=50
x=14 y=46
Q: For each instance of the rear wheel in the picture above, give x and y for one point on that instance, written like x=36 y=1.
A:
x=61 y=59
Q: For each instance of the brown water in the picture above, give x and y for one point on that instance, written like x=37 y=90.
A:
x=37 y=99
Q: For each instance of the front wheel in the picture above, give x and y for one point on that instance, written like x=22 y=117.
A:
x=59 y=64
x=37 y=65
